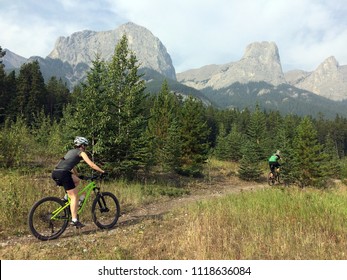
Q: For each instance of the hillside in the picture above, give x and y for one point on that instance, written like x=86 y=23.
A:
x=130 y=222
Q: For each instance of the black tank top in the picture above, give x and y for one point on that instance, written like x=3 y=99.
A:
x=70 y=160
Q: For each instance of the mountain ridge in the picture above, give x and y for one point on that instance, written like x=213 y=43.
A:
x=71 y=58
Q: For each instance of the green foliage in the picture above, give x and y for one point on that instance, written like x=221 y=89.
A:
x=16 y=143
x=109 y=110
x=256 y=133
x=31 y=91
x=194 y=131
x=58 y=95
x=229 y=146
x=249 y=168
x=309 y=162
x=163 y=130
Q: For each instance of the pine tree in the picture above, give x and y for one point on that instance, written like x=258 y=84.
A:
x=309 y=162
x=3 y=94
x=10 y=91
x=284 y=142
x=235 y=140
x=162 y=122
x=253 y=150
x=331 y=151
x=110 y=111
x=256 y=134
x=222 y=149
x=194 y=131
x=58 y=96
x=125 y=93
x=31 y=91
x=249 y=168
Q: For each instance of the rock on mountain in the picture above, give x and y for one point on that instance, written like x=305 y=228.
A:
x=328 y=80
x=260 y=63
x=82 y=47
x=12 y=60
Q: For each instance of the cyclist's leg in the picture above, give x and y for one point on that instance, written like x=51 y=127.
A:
x=69 y=181
x=73 y=194
x=272 y=169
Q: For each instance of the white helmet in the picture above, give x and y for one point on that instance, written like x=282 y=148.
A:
x=79 y=141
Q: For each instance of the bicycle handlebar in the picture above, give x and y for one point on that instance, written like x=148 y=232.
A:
x=93 y=177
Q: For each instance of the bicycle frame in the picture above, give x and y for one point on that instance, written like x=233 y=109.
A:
x=87 y=190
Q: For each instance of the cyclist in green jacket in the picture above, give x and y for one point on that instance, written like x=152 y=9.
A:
x=273 y=161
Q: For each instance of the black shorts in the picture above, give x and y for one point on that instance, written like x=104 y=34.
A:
x=63 y=178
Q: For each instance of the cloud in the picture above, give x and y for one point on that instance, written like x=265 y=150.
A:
x=195 y=32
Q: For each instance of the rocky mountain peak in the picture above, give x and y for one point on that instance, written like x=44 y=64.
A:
x=328 y=80
x=12 y=60
x=82 y=47
x=260 y=62
x=263 y=51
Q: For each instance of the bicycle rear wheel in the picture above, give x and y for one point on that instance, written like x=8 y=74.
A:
x=41 y=223
x=105 y=210
x=271 y=179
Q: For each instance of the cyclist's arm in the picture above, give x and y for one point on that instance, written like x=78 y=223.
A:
x=90 y=163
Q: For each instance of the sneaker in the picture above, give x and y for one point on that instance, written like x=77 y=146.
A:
x=77 y=224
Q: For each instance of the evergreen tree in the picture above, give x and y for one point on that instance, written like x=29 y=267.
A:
x=253 y=150
x=309 y=163
x=90 y=109
x=109 y=110
x=256 y=134
x=284 y=142
x=3 y=93
x=222 y=149
x=173 y=149
x=234 y=141
x=194 y=131
x=249 y=169
x=331 y=151
x=162 y=123
x=125 y=142
x=229 y=145
x=31 y=91
x=10 y=92
x=58 y=95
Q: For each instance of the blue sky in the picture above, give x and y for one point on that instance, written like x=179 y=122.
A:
x=194 y=32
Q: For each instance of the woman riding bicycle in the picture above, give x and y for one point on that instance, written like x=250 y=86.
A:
x=273 y=161
x=65 y=174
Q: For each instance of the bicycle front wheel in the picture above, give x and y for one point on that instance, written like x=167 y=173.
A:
x=105 y=210
x=47 y=219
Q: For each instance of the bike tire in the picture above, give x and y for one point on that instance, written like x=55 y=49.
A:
x=105 y=210
x=39 y=219
x=271 y=180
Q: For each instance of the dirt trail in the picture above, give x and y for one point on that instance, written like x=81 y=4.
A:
x=203 y=190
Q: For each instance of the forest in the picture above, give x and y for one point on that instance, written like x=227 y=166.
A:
x=133 y=132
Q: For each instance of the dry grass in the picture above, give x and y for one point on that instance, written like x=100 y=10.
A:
x=260 y=224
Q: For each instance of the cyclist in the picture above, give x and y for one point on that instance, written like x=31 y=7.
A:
x=65 y=174
x=273 y=161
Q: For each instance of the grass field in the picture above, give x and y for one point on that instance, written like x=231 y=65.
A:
x=272 y=223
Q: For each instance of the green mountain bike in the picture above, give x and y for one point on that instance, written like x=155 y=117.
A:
x=49 y=217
